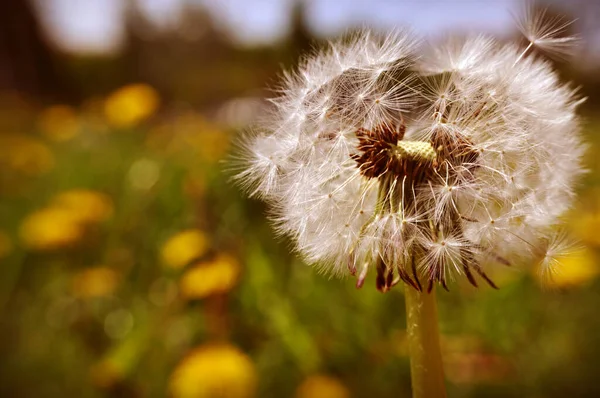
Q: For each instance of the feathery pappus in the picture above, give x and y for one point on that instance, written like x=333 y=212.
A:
x=420 y=162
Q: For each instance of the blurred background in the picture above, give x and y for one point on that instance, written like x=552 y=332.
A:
x=129 y=267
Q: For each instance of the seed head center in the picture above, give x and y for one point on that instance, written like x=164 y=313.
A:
x=382 y=150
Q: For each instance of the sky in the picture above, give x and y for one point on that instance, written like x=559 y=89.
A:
x=97 y=25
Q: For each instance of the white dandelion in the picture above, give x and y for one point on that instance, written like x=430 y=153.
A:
x=420 y=169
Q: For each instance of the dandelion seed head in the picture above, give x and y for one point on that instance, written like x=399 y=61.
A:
x=418 y=169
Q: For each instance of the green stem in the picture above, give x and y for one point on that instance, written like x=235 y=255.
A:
x=427 y=373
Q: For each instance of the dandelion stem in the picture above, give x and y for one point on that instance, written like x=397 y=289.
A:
x=427 y=373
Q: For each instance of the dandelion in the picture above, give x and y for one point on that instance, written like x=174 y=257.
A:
x=51 y=229
x=65 y=221
x=419 y=163
x=183 y=248
x=214 y=370
x=373 y=161
x=131 y=105
x=217 y=276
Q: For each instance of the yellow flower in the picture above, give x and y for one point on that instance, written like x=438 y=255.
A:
x=50 y=228
x=131 y=105
x=87 y=205
x=94 y=282
x=25 y=154
x=214 y=370
x=321 y=386
x=183 y=248
x=217 y=276
x=6 y=245
x=59 y=123
x=63 y=222
x=572 y=270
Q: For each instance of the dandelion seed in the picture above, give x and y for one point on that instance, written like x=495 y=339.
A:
x=556 y=249
x=545 y=31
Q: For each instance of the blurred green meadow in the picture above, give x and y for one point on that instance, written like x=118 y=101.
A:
x=130 y=266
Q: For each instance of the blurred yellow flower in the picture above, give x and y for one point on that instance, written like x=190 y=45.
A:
x=94 y=282
x=213 y=277
x=6 y=245
x=50 y=228
x=321 y=386
x=184 y=247
x=24 y=154
x=214 y=371
x=63 y=222
x=572 y=270
x=131 y=105
x=587 y=227
x=59 y=123
x=86 y=205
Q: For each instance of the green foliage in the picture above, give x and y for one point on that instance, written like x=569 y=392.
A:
x=101 y=311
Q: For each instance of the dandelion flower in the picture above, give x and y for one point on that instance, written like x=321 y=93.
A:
x=130 y=105
x=50 y=229
x=419 y=168
x=214 y=370
x=183 y=248
x=421 y=163
x=212 y=277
